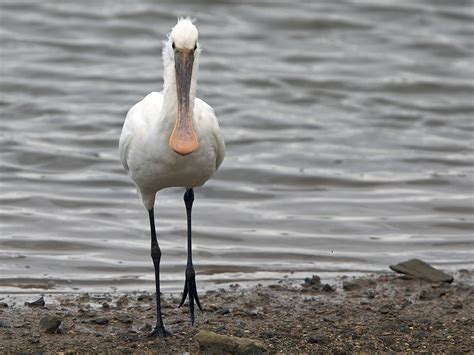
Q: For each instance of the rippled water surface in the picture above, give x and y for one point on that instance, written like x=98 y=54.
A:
x=349 y=129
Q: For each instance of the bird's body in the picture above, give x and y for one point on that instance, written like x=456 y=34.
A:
x=172 y=139
x=149 y=160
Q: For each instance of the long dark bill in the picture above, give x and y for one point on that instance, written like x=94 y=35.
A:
x=183 y=139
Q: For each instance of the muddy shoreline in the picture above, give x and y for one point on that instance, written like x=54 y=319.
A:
x=375 y=313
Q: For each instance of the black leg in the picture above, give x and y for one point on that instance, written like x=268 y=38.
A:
x=156 y=256
x=190 y=283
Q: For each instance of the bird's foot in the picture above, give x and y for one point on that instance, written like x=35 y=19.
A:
x=190 y=289
x=159 y=332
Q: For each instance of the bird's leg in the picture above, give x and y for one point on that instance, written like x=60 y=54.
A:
x=190 y=283
x=156 y=257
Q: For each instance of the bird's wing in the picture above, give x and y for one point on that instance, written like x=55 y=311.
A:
x=208 y=116
x=136 y=123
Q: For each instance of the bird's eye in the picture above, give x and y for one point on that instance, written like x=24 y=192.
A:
x=195 y=46
x=173 y=45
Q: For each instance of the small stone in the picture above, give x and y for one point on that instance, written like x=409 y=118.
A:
x=144 y=297
x=122 y=301
x=100 y=321
x=124 y=318
x=421 y=270
x=315 y=280
x=105 y=305
x=317 y=339
x=328 y=288
x=3 y=305
x=38 y=303
x=50 y=324
x=385 y=309
x=268 y=334
x=427 y=295
x=3 y=324
x=127 y=336
x=213 y=343
x=86 y=331
x=223 y=311
x=388 y=340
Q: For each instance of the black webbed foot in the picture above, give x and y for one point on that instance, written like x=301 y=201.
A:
x=159 y=332
x=190 y=289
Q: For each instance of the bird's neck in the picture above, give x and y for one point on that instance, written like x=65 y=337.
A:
x=170 y=95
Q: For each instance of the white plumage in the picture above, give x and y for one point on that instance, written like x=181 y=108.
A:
x=172 y=139
x=144 y=143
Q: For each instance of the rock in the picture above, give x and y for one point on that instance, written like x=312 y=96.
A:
x=269 y=334
x=127 y=336
x=385 y=309
x=317 y=339
x=315 y=280
x=212 y=343
x=427 y=295
x=420 y=270
x=50 y=324
x=145 y=297
x=3 y=324
x=101 y=321
x=86 y=331
x=122 y=301
x=3 y=305
x=388 y=340
x=38 y=303
x=223 y=311
x=124 y=318
x=328 y=288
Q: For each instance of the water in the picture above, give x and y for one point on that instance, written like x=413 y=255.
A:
x=349 y=141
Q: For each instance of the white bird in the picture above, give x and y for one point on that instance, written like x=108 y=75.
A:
x=172 y=139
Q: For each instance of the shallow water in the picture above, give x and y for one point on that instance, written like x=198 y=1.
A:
x=348 y=126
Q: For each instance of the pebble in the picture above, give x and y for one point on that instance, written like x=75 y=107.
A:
x=38 y=303
x=100 y=321
x=427 y=295
x=315 y=280
x=328 y=288
x=213 y=343
x=122 y=301
x=317 y=339
x=50 y=324
x=124 y=318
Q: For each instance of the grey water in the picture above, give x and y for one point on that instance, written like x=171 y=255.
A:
x=349 y=130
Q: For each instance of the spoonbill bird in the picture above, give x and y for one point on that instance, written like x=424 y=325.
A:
x=172 y=139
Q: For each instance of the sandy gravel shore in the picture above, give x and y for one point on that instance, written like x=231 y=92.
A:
x=376 y=313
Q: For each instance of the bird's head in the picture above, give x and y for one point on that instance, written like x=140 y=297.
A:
x=183 y=49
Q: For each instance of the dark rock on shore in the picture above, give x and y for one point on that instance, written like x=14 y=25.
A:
x=38 y=303
x=212 y=343
x=100 y=321
x=50 y=324
x=421 y=270
x=314 y=281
